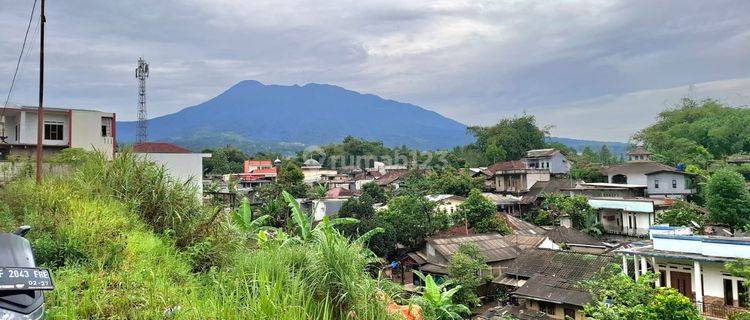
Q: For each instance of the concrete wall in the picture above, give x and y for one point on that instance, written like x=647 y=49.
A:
x=87 y=132
x=665 y=184
x=181 y=166
x=633 y=178
x=11 y=170
x=28 y=126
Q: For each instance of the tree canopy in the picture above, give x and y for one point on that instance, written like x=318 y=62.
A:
x=507 y=140
x=617 y=297
x=695 y=132
x=728 y=199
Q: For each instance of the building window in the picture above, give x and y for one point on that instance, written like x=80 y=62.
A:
x=107 y=126
x=656 y=184
x=17 y=137
x=547 y=307
x=53 y=130
x=674 y=184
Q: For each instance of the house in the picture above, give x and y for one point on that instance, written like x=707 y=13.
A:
x=447 y=203
x=693 y=265
x=549 y=159
x=63 y=128
x=575 y=240
x=322 y=208
x=180 y=163
x=518 y=226
x=252 y=165
x=314 y=172
x=660 y=180
x=256 y=174
x=339 y=193
x=547 y=281
x=391 y=179
x=670 y=183
x=337 y=180
x=498 y=251
x=507 y=204
x=514 y=178
x=437 y=252
x=611 y=190
x=632 y=217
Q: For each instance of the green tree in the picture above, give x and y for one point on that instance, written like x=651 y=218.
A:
x=728 y=199
x=414 y=218
x=292 y=179
x=224 y=160
x=695 y=132
x=617 y=297
x=375 y=192
x=477 y=211
x=682 y=214
x=576 y=207
x=507 y=140
x=465 y=268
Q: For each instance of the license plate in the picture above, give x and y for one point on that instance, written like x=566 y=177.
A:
x=12 y=278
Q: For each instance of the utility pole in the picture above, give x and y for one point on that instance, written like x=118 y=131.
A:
x=141 y=73
x=40 y=110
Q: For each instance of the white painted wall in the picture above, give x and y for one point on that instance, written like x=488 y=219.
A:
x=727 y=248
x=182 y=166
x=28 y=127
x=665 y=184
x=87 y=131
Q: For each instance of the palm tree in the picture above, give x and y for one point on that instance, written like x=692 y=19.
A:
x=437 y=299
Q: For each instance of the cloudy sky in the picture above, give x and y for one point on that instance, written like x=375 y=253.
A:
x=593 y=69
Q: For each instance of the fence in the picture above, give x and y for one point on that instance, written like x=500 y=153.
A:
x=10 y=170
x=717 y=310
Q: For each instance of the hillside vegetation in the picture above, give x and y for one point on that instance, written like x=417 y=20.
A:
x=124 y=241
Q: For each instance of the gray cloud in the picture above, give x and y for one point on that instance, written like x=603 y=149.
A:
x=475 y=61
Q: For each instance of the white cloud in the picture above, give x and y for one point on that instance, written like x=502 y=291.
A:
x=476 y=61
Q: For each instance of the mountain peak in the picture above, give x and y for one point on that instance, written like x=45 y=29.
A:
x=312 y=114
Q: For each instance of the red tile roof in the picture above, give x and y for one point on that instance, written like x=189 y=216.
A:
x=258 y=162
x=260 y=171
x=338 y=192
x=158 y=147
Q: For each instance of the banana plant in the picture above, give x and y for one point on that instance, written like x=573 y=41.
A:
x=437 y=299
x=243 y=217
x=304 y=222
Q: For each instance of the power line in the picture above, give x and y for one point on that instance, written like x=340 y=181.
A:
x=15 y=73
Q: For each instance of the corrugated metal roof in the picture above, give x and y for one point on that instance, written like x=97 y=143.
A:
x=492 y=246
x=553 y=289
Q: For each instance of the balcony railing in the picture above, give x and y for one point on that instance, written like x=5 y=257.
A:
x=718 y=311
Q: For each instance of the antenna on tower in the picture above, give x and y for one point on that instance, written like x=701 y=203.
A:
x=141 y=73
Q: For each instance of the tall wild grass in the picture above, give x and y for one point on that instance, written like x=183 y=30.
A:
x=108 y=231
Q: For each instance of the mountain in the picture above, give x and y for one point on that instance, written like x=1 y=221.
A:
x=579 y=145
x=260 y=116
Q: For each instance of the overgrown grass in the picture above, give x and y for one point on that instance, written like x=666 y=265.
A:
x=124 y=241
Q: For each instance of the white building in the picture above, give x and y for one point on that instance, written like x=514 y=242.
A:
x=694 y=265
x=549 y=159
x=314 y=172
x=447 y=203
x=660 y=180
x=631 y=217
x=180 y=163
x=63 y=128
